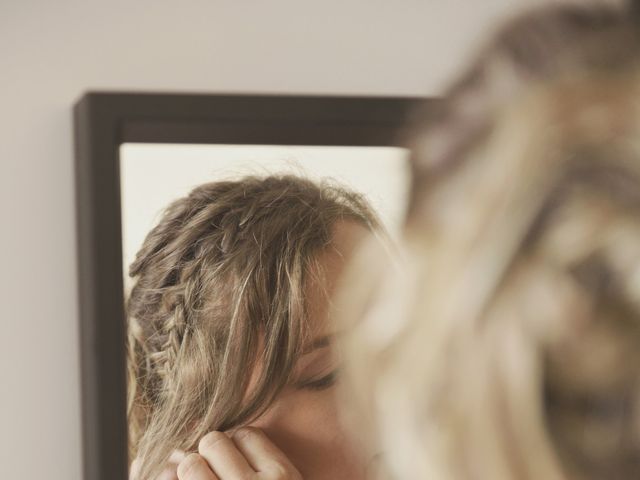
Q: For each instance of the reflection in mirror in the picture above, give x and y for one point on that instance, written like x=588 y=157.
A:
x=228 y=305
x=153 y=175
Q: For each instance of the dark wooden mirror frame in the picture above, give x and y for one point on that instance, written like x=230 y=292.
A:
x=105 y=120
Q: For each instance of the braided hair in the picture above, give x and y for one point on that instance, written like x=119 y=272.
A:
x=219 y=284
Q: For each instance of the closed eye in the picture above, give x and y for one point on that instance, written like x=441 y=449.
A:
x=321 y=383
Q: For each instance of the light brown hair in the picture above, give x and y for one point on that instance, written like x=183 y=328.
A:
x=531 y=312
x=517 y=347
x=544 y=44
x=218 y=296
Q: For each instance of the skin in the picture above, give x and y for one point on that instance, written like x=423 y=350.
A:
x=300 y=436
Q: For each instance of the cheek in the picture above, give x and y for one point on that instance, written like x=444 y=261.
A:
x=306 y=427
x=301 y=411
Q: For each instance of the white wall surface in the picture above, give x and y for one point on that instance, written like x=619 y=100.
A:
x=53 y=51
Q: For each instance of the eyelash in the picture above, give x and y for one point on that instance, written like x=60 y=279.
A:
x=321 y=383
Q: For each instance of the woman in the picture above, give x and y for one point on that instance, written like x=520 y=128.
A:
x=228 y=327
x=515 y=348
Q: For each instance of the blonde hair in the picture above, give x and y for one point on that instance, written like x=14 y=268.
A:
x=219 y=284
x=516 y=347
x=540 y=46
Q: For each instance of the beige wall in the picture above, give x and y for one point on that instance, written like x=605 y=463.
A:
x=52 y=51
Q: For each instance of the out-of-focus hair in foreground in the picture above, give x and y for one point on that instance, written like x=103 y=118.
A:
x=510 y=348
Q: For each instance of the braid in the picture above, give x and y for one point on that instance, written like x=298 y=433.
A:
x=218 y=281
x=157 y=312
x=166 y=357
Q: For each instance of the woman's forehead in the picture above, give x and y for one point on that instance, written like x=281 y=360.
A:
x=330 y=263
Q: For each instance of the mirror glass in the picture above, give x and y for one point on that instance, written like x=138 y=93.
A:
x=154 y=175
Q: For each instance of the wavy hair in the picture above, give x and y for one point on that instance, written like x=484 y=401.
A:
x=509 y=348
x=218 y=296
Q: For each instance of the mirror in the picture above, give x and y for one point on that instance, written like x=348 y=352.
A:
x=136 y=153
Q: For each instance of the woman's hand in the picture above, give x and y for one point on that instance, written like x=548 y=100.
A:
x=247 y=454
x=170 y=471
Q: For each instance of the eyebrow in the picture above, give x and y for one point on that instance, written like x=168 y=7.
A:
x=318 y=343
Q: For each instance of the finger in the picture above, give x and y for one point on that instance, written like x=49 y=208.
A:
x=177 y=456
x=170 y=472
x=262 y=453
x=134 y=471
x=194 y=467
x=223 y=457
